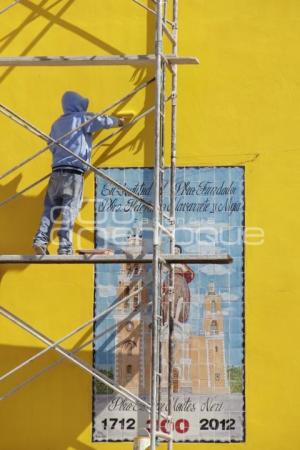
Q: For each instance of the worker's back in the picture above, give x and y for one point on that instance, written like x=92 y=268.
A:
x=80 y=141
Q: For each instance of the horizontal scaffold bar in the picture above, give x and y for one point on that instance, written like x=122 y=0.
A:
x=71 y=357
x=110 y=259
x=96 y=60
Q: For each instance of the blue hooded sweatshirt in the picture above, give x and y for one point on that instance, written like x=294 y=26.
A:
x=80 y=141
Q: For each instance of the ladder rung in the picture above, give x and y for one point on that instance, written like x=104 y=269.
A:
x=169 y=34
x=166 y=231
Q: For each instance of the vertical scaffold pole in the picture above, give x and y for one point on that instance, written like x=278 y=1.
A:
x=156 y=229
x=171 y=343
x=161 y=200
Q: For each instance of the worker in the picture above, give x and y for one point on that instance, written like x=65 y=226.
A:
x=64 y=192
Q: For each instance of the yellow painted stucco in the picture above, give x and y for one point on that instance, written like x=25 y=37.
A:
x=239 y=107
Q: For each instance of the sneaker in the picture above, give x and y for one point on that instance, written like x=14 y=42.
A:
x=40 y=249
x=65 y=252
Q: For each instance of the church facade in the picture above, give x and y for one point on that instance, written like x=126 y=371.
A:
x=200 y=366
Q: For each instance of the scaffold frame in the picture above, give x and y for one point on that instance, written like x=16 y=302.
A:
x=161 y=61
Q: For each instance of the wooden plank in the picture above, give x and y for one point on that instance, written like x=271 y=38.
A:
x=96 y=60
x=95 y=251
x=110 y=259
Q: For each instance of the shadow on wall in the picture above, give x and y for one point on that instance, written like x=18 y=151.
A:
x=19 y=221
x=20 y=218
x=139 y=75
x=60 y=398
x=70 y=393
x=41 y=10
x=61 y=401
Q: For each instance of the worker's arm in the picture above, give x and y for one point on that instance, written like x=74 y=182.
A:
x=101 y=122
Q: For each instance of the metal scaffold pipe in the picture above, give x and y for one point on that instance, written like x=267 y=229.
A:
x=67 y=336
x=77 y=361
x=24 y=123
x=32 y=378
x=114 y=259
x=8 y=7
x=15 y=117
x=92 y=60
x=18 y=194
x=171 y=343
x=94 y=169
x=161 y=262
x=156 y=231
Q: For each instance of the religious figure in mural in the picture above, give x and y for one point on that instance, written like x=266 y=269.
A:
x=182 y=297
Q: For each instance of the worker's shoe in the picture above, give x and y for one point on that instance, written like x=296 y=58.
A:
x=40 y=249
x=65 y=251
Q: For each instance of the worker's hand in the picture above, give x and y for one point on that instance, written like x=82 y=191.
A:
x=125 y=118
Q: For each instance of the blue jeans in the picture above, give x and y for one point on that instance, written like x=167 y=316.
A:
x=63 y=197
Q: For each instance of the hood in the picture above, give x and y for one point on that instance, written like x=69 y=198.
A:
x=73 y=102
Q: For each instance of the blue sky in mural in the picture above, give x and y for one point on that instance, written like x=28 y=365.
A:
x=210 y=219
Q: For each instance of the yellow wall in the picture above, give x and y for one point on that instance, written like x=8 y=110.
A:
x=241 y=106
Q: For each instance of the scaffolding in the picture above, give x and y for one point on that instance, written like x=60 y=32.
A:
x=164 y=222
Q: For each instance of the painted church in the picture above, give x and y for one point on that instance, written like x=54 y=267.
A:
x=200 y=366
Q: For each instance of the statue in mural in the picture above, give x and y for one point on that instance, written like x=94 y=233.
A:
x=182 y=297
